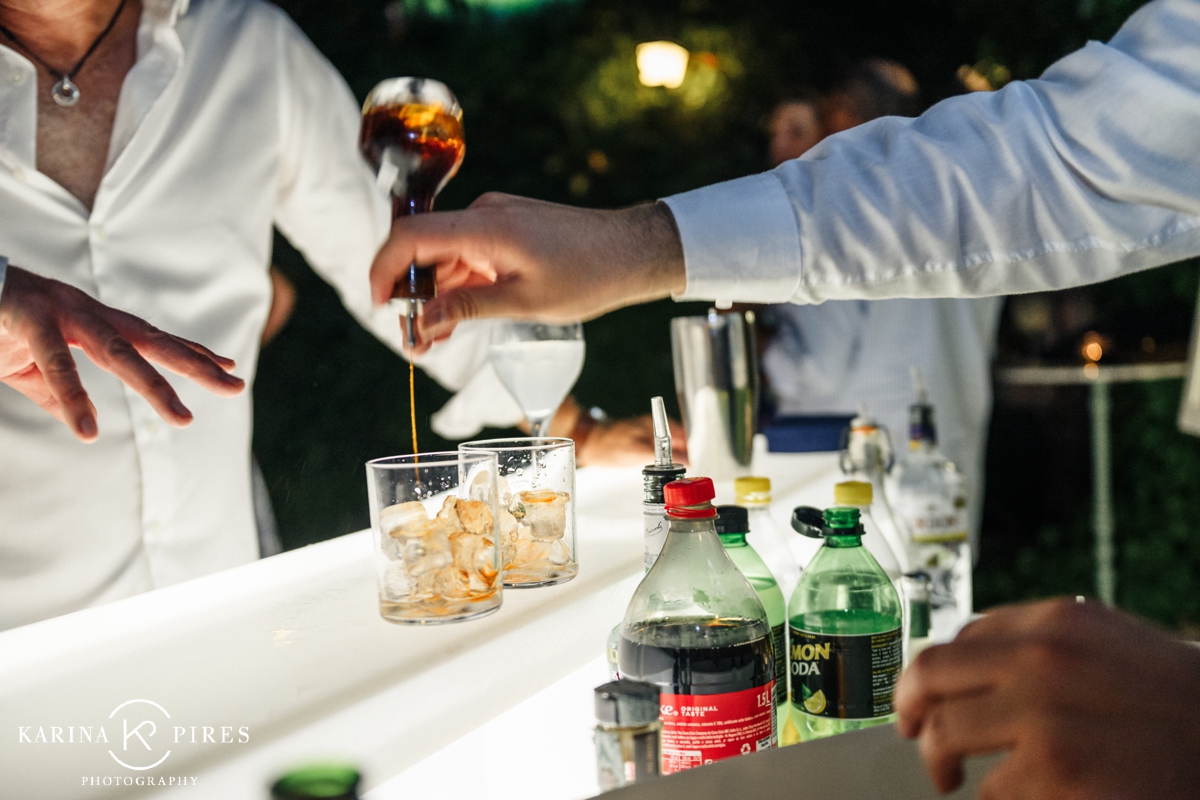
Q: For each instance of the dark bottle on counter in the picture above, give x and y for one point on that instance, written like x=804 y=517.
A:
x=325 y=781
x=697 y=629
x=627 y=734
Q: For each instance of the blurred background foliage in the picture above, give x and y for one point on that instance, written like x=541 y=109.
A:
x=553 y=109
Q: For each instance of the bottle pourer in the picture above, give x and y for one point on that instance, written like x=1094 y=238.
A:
x=662 y=433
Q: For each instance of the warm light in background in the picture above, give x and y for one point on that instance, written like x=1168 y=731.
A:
x=661 y=64
x=1092 y=349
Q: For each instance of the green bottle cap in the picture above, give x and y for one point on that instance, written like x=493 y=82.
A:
x=324 y=781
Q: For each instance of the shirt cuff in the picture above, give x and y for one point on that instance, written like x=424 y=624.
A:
x=741 y=241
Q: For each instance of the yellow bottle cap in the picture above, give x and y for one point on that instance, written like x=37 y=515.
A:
x=752 y=490
x=853 y=493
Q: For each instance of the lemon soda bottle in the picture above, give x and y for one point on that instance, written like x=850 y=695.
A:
x=845 y=622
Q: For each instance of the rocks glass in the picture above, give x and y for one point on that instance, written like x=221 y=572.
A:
x=536 y=496
x=434 y=527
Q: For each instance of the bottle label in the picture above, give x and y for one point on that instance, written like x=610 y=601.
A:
x=933 y=519
x=655 y=526
x=699 y=729
x=779 y=642
x=845 y=677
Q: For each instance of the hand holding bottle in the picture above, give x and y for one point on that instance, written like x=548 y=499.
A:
x=1089 y=702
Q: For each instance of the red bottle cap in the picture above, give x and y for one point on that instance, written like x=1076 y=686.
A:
x=682 y=496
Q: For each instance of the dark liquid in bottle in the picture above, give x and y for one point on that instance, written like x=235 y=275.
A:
x=424 y=146
x=698 y=657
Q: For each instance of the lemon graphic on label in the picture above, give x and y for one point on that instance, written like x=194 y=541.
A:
x=816 y=703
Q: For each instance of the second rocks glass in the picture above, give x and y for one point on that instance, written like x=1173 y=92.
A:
x=535 y=492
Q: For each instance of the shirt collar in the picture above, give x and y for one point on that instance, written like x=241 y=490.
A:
x=167 y=11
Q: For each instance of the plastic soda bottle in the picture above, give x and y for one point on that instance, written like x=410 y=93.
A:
x=732 y=527
x=697 y=629
x=845 y=629
x=767 y=537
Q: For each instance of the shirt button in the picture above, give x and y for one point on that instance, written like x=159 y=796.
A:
x=16 y=77
x=100 y=232
x=155 y=529
x=19 y=174
x=151 y=427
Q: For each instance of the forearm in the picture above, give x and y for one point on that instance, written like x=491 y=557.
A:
x=1084 y=174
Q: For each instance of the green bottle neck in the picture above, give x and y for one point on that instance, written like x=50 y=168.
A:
x=842 y=540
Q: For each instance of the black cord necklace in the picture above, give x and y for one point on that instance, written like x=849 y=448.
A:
x=65 y=92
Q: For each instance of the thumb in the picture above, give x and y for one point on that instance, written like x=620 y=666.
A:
x=443 y=313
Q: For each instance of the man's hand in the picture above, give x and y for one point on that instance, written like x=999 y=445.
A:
x=511 y=257
x=1089 y=702
x=41 y=319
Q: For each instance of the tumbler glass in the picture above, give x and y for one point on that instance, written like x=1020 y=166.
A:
x=434 y=528
x=536 y=495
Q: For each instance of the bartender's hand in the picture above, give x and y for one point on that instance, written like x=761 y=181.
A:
x=1089 y=702
x=41 y=319
x=512 y=257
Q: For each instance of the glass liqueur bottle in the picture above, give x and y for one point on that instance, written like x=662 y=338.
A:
x=732 y=527
x=696 y=629
x=412 y=136
x=845 y=628
x=930 y=500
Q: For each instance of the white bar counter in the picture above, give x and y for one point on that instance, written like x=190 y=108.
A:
x=288 y=661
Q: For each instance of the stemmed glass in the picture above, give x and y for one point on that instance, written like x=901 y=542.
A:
x=538 y=364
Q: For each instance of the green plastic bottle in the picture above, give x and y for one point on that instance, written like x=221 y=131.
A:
x=845 y=629
x=733 y=523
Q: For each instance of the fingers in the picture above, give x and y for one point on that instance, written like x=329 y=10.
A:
x=112 y=352
x=958 y=668
x=961 y=727
x=440 y=239
x=65 y=396
x=189 y=359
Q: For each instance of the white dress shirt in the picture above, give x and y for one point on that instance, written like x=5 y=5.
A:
x=1091 y=171
x=229 y=122
x=828 y=358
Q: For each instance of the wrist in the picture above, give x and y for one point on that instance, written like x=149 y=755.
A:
x=656 y=265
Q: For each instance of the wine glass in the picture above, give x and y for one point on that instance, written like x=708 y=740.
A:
x=538 y=364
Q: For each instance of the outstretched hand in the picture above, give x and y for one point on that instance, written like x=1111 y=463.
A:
x=1088 y=702
x=513 y=257
x=41 y=319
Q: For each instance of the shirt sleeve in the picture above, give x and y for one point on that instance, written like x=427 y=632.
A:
x=329 y=207
x=1084 y=174
x=3 y=272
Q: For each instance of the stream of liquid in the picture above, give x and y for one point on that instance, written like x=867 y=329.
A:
x=412 y=405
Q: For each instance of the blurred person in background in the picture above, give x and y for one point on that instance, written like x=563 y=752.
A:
x=829 y=358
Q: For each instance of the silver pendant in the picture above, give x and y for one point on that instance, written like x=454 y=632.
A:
x=65 y=93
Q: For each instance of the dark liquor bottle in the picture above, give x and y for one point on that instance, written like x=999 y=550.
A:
x=697 y=629
x=412 y=137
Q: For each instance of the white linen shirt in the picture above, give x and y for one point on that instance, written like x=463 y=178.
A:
x=229 y=122
x=1089 y=172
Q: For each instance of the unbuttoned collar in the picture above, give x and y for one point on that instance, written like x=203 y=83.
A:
x=167 y=11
